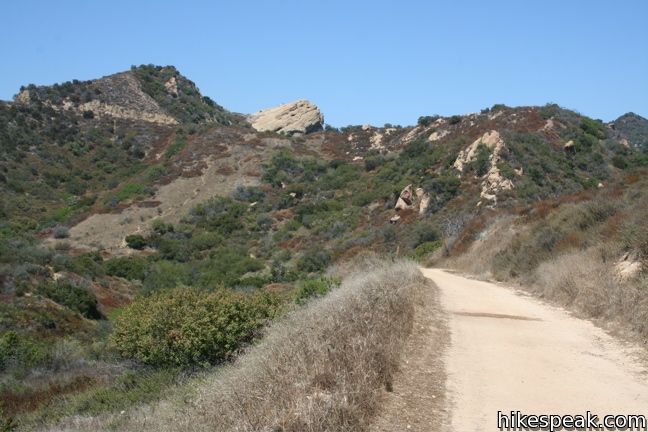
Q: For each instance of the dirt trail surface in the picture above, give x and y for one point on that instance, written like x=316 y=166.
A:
x=417 y=400
x=509 y=351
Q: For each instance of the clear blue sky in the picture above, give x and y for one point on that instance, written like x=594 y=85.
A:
x=360 y=61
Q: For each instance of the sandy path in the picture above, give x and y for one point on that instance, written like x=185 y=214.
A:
x=417 y=400
x=509 y=351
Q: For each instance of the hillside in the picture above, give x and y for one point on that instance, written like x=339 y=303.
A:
x=633 y=128
x=124 y=188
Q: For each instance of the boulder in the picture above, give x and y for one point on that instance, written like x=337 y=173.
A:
x=300 y=117
x=569 y=147
x=424 y=200
x=24 y=97
x=628 y=266
x=172 y=86
x=405 y=199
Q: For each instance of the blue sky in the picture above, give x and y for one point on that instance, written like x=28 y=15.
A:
x=360 y=61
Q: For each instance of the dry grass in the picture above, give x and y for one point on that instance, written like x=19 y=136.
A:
x=583 y=281
x=478 y=258
x=322 y=368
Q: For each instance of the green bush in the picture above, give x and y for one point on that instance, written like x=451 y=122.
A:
x=248 y=194
x=455 y=119
x=132 y=190
x=283 y=168
x=443 y=188
x=160 y=227
x=593 y=127
x=424 y=231
x=177 y=146
x=78 y=299
x=61 y=232
x=166 y=274
x=204 y=241
x=619 y=162
x=314 y=260
x=219 y=214
x=186 y=326
x=88 y=265
x=172 y=249
x=130 y=267
x=155 y=172
x=21 y=350
x=136 y=241
x=424 y=249
x=548 y=111
x=506 y=170
x=373 y=162
x=482 y=161
x=426 y=120
x=314 y=288
x=225 y=267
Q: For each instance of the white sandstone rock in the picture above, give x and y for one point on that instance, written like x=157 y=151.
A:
x=300 y=117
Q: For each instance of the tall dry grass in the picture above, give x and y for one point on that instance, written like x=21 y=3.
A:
x=321 y=368
x=583 y=281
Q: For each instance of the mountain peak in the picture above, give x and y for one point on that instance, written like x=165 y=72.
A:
x=634 y=128
x=158 y=94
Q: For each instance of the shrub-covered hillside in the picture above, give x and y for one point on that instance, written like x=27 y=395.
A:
x=134 y=194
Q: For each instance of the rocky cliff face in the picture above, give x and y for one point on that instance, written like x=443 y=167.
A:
x=299 y=117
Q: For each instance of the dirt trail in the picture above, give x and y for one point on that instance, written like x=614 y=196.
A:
x=509 y=351
x=417 y=399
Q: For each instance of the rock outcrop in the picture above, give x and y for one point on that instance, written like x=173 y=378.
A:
x=424 y=200
x=405 y=199
x=408 y=199
x=23 y=97
x=100 y=109
x=300 y=117
x=437 y=135
x=493 y=182
x=569 y=147
x=491 y=139
x=628 y=266
x=172 y=86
